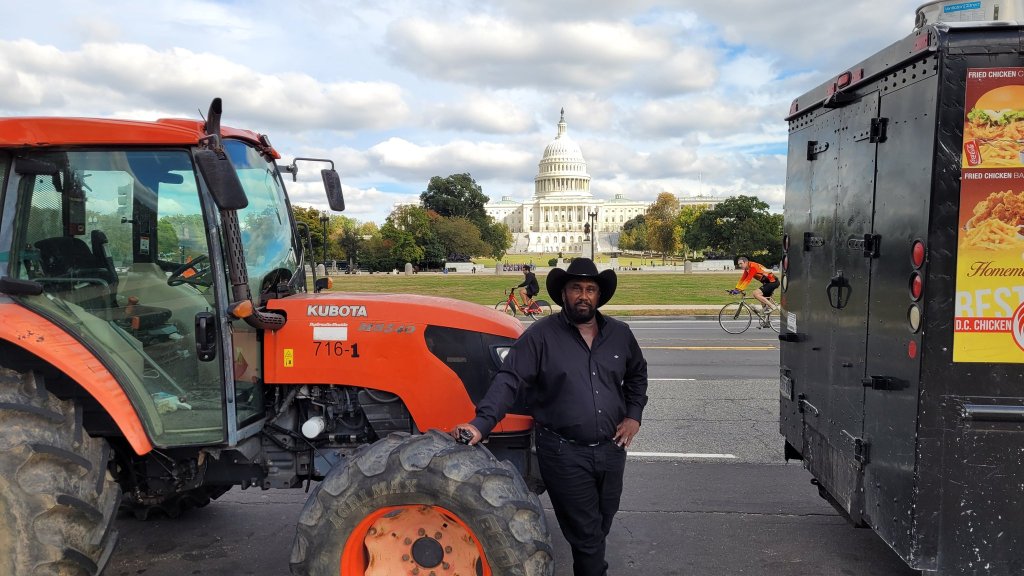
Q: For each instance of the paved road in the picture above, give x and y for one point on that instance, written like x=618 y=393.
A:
x=721 y=502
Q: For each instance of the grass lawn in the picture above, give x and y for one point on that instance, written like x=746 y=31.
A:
x=488 y=289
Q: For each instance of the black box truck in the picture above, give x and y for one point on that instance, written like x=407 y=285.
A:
x=902 y=353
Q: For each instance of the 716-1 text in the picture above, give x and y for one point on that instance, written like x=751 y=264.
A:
x=336 y=349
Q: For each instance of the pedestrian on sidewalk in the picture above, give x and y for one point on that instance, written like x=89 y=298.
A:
x=585 y=380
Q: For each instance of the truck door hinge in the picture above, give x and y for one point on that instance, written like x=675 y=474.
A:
x=872 y=245
x=814 y=148
x=861 y=448
x=812 y=241
x=884 y=383
x=879 y=130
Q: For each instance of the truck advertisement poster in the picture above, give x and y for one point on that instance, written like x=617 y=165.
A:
x=989 y=312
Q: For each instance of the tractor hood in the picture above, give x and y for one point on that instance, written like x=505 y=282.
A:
x=439 y=355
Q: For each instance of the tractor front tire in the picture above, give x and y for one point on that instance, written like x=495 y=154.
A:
x=57 y=501
x=422 y=503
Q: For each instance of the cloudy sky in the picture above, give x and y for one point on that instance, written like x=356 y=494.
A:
x=683 y=96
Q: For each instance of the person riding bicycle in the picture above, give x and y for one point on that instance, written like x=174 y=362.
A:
x=755 y=271
x=529 y=287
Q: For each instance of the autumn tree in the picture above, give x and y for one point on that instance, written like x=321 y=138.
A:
x=662 y=226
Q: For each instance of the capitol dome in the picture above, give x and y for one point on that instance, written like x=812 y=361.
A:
x=562 y=170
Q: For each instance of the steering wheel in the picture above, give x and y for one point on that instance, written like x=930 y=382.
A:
x=199 y=276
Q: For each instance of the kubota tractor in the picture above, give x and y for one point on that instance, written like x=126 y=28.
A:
x=158 y=346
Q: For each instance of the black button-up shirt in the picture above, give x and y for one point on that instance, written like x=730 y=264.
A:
x=578 y=392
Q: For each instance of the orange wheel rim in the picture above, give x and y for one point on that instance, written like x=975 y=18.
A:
x=413 y=540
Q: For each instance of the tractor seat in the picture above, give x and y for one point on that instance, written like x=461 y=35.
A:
x=63 y=259
x=70 y=257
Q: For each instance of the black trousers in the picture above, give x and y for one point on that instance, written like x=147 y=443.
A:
x=585 y=484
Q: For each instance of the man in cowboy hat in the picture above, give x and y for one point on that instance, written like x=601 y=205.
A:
x=586 y=384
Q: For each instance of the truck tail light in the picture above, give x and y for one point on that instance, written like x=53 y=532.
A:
x=917 y=254
x=916 y=286
x=784 y=281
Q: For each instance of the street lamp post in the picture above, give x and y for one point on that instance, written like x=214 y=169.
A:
x=324 y=220
x=592 y=217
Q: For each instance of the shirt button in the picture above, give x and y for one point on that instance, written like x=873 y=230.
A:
x=596 y=392
x=594 y=373
x=599 y=412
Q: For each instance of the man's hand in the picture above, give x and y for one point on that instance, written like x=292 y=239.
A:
x=625 y=432
x=470 y=435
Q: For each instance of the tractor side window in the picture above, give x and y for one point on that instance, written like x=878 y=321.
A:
x=118 y=241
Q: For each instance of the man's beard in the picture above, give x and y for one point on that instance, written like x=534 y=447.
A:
x=580 y=314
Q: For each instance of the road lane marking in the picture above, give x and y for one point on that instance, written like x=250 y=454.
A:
x=710 y=347
x=680 y=455
x=671 y=379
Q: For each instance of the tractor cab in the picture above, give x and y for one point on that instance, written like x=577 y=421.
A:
x=125 y=246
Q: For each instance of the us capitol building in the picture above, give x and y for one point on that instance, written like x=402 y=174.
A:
x=555 y=218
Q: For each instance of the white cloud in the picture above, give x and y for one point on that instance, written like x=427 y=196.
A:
x=586 y=55
x=482 y=113
x=702 y=114
x=397 y=156
x=103 y=79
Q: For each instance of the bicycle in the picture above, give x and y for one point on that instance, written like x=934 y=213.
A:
x=736 y=317
x=511 y=306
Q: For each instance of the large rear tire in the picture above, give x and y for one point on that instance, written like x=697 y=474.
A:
x=422 y=502
x=57 y=502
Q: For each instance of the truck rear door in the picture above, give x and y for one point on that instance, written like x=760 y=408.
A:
x=828 y=292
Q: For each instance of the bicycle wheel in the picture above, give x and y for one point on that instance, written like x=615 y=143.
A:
x=539 y=309
x=735 y=318
x=775 y=320
x=504 y=306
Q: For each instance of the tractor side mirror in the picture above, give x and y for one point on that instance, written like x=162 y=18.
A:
x=222 y=179
x=332 y=182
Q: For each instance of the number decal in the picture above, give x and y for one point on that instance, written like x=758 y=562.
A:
x=335 y=349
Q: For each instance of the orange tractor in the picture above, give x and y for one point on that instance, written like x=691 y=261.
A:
x=159 y=345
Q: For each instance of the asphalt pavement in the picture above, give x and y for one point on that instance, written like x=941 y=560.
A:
x=707 y=492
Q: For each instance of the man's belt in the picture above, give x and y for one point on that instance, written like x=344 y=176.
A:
x=570 y=440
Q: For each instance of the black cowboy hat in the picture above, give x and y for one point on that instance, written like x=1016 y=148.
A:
x=581 y=268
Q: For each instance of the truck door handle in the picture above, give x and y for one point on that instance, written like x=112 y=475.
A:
x=206 y=336
x=838 y=290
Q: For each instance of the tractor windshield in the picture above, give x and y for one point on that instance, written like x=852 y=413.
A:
x=266 y=227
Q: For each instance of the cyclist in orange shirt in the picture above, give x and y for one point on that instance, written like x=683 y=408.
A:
x=755 y=271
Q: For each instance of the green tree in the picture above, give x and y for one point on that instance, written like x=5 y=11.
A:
x=634 y=234
x=459 y=238
x=311 y=218
x=687 y=216
x=457 y=195
x=167 y=240
x=498 y=238
x=739 y=226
